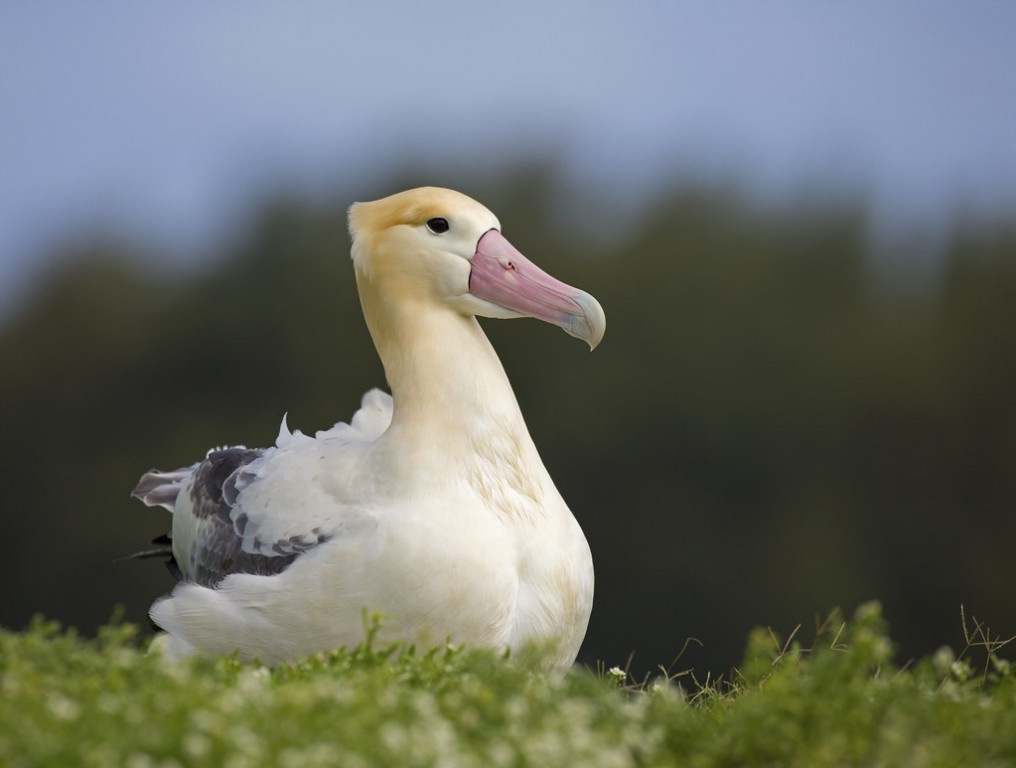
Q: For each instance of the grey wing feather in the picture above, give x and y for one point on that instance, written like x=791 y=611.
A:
x=217 y=550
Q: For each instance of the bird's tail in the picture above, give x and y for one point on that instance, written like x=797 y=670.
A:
x=160 y=489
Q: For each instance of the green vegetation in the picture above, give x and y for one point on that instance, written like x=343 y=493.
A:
x=68 y=701
x=777 y=420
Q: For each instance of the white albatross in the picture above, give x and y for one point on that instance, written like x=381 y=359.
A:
x=431 y=507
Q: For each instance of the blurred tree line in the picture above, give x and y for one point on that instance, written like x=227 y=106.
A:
x=769 y=429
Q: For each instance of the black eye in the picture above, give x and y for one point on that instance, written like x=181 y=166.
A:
x=438 y=225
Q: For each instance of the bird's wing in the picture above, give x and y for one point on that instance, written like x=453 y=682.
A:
x=256 y=510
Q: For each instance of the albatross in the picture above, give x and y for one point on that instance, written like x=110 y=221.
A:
x=431 y=508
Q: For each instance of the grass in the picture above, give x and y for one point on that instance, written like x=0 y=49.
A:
x=839 y=701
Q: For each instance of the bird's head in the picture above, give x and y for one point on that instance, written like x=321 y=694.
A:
x=437 y=245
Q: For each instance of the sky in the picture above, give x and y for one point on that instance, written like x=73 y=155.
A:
x=167 y=121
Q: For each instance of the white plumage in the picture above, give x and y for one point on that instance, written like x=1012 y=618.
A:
x=431 y=507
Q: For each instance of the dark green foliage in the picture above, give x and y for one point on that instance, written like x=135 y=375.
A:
x=768 y=427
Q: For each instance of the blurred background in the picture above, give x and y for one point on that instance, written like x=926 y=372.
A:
x=799 y=218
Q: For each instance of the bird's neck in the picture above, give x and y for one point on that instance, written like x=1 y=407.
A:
x=453 y=400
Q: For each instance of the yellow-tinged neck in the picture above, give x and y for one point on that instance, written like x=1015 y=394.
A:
x=453 y=402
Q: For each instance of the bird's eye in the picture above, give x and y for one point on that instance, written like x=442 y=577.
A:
x=438 y=225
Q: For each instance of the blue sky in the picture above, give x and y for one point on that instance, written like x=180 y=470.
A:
x=167 y=120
